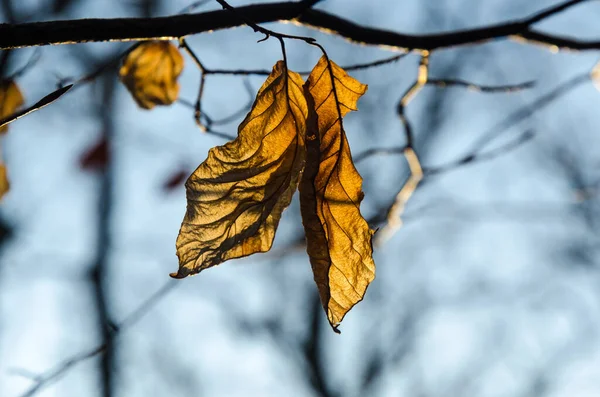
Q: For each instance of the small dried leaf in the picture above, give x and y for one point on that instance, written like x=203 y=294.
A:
x=150 y=73
x=11 y=99
x=96 y=157
x=175 y=180
x=338 y=237
x=4 y=185
x=236 y=197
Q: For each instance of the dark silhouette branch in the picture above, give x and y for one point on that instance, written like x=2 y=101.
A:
x=177 y=26
x=45 y=101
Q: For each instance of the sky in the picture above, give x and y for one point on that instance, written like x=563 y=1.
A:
x=490 y=288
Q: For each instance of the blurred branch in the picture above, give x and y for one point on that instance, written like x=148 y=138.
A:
x=98 y=68
x=376 y=152
x=313 y=348
x=445 y=83
x=176 y=26
x=99 y=270
x=478 y=157
x=526 y=111
x=47 y=378
x=33 y=60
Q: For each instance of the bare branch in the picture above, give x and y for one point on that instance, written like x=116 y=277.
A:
x=45 y=101
x=445 y=83
x=52 y=375
x=176 y=26
x=480 y=157
x=394 y=221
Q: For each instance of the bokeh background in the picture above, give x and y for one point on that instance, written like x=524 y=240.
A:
x=490 y=288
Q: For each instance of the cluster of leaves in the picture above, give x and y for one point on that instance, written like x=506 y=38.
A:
x=293 y=137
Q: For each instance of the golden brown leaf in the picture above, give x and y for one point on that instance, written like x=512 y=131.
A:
x=150 y=73
x=11 y=99
x=338 y=237
x=4 y=185
x=236 y=197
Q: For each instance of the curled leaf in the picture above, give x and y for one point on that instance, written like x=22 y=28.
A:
x=150 y=73
x=236 y=197
x=11 y=99
x=338 y=237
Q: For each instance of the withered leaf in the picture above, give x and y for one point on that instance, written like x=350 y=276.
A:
x=4 y=185
x=97 y=156
x=11 y=99
x=236 y=197
x=338 y=237
x=150 y=73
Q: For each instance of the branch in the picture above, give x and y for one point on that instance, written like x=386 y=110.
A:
x=52 y=375
x=45 y=101
x=176 y=26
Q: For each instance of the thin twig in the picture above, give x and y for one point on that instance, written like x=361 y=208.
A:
x=264 y=72
x=445 y=83
x=31 y=62
x=416 y=173
x=394 y=221
x=52 y=375
x=526 y=111
x=377 y=151
x=480 y=157
x=45 y=101
x=413 y=90
x=88 y=78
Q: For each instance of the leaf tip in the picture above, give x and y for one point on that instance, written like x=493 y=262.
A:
x=178 y=275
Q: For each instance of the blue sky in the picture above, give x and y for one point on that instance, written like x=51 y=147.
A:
x=491 y=288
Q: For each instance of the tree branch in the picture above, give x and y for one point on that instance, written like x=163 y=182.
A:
x=176 y=26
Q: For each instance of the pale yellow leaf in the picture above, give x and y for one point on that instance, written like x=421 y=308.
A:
x=150 y=73
x=11 y=99
x=236 y=197
x=338 y=237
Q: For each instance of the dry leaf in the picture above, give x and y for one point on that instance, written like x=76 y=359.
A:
x=4 y=185
x=176 y=179
x=96 y=157
x=150 y=73
x=236 y=197
x=338 y=237
x=11 y=99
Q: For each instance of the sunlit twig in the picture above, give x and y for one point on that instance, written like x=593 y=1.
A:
x=394 y=221
x=45 y=101
x=416 y=172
